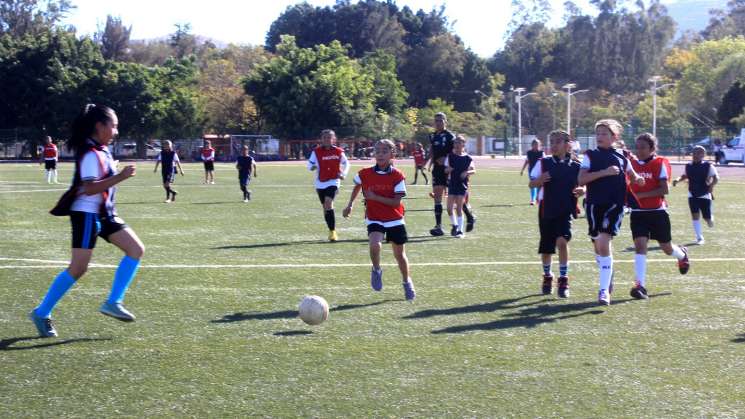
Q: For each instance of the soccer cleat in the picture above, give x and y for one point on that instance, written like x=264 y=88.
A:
x=470 y=223
x=333 y=236
x=639 y=292
x=710 y=223
x=173 y=195
x=454 y=231
x=117 y=311
x=603 y=298
x=376 y=279
x=532 y=203
x=547 y=284
x=167 y=201
x=700 y=240
x=409 y=292
x=459 y=234
x=44 y=325
x=684 y=264
x=212 y=182
x=437 y=231
x=563 y=287
x=245 y=199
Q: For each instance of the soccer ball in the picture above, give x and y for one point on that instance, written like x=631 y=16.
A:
x=313 y=309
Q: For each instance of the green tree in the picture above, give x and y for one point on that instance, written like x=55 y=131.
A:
x=302 y=90
x=27 y=17
x=114 y=39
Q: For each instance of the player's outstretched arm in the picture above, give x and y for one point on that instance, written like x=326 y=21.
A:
x=348 y=208
x=99 y=186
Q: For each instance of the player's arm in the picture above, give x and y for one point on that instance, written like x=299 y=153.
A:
x=428 y=158
x=312 y=161
x=345 y=166
x=539 y=177
x=446 y=163
x=180 y=169
x=471 y=171
x=355 y=191
x=391 y=202
x=712 y=179
x=90 y=171
x=631 y=173
x=157 y=163
x=525 y=164
x=586 y=176
x=253 y=164
x=680 y=179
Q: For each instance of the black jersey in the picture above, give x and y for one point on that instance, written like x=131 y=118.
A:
x=698 y=174
x=442 y=144
x=244 y=164
x=167 y=160
x=558 y=194
x=533 y=156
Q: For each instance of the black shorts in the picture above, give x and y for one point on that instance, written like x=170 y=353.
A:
x=652 y=224
x=168 y=175
x=50 y=164
x=603 y=219
x=439 y=177
x=396 y=234
x=86 y=227
x=700 y=204
x=329 y=192
x=552 y=229
x=209 y=166
x=244 y=179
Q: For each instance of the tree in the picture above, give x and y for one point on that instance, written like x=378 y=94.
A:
x=114 y=39
x=26 y=17
x=304 y=90
x=183 y=42
x=726 y=23
x=732 y=106
x=527 y=56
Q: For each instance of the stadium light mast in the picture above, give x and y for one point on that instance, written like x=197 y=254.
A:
x=568 y=87
x=655 y=88
x=519 y=98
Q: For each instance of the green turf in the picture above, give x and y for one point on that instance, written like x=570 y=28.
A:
x=479 y=340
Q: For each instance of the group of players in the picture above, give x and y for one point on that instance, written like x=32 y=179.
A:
x=610 y=179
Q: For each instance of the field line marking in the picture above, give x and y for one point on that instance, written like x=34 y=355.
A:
x=57 y=263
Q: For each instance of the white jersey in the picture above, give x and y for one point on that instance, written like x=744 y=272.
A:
x=93 y=168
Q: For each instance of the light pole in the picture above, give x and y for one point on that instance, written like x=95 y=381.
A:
x=569 y=87
x=655 y=88
x=519 y=98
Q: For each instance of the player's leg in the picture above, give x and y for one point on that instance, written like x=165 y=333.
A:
x=438 y=192
x=424 y=175
x=706 y=212
x=459 y=210
x=662 y=232
x=398 y=238
x=451 y=214
x=694 y=206
x=546 y=248
x=375 y=234
x=470 y=219
x=416 y=174
x=125 y=239
x=562 y=244
x=639 y=290
x=328 y=212
x=85 y=228
x=605 y=265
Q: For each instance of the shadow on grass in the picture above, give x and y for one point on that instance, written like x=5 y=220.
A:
x=530 y=317
x=655 y=248
x=287 y=314
x=739 y=339
x=477 y=308
x=282 y=244
x=7 y=344
x=293 y=333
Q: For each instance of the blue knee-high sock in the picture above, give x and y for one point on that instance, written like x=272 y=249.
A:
x=124 y=275
x=61 y=284
x=533 y=194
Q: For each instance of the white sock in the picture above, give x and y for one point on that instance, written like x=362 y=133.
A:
x=453 y=219
x=54 y=175
x=697 y=229
x=677 y=252
x=606 y=271
x=460 y=223
x=640 y=267
x=49 y=176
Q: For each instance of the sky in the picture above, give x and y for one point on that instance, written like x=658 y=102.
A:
x=479 y=23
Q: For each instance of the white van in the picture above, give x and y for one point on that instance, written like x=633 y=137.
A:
x=734 y=151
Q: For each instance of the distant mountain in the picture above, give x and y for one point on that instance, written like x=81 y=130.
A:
x=693 y=14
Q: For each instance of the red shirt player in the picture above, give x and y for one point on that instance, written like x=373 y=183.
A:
x=649 y=217
x=50 y=155
x=331 y=166
x=383 y=187
x=208 y=157
x=419 y=162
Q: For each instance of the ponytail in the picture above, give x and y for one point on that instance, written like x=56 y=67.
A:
x=84 y=125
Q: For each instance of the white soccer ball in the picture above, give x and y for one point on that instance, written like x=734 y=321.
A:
x=313 y=309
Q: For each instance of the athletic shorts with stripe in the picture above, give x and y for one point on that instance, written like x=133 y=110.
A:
x=603 y=219
x=87 y=226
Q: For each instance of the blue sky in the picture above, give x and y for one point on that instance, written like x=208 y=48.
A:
x=480 y=23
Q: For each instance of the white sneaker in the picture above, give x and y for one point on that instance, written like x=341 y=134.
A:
x=700 y=240
x=245 y=200
x=167 y=201
x=212 y=183
x=603 y=298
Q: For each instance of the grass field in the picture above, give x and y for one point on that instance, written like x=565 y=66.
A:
x=217 y=333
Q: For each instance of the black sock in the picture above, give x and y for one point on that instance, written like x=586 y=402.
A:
x=425 y=177
x=243 y=189
x=168 y=192
x=416 y=175
x=438 y=214
x=330 y=219
x=469 y=216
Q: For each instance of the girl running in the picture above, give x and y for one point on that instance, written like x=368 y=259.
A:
x=168 y=159
x=245 y=166
x=90 y=205
x=459 y=166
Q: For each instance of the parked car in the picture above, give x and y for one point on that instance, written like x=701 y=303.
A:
x=734 y=151
x=706 y=143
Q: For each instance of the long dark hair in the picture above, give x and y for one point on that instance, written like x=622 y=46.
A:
x=84 y=125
